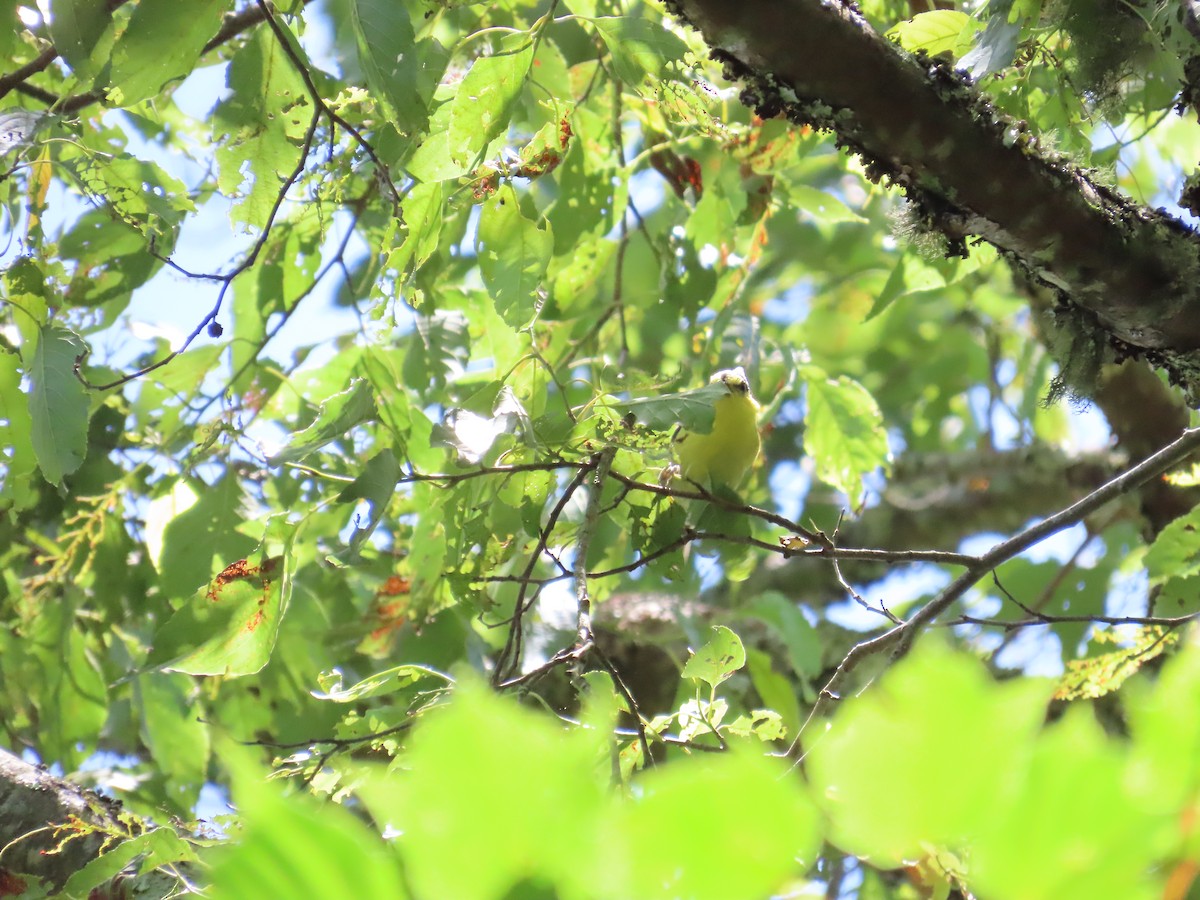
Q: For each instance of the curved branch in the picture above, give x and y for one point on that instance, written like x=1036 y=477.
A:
x=898 y=639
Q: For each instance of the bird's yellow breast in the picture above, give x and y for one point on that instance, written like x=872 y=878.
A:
x=725 y=454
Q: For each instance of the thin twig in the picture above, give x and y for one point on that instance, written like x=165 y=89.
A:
x=446 y=478
x=857 y=597
x=508 y=661
x=726 y=504
x=1049 y=619
x=381 y=170
x=226 y=280
x=583 y=541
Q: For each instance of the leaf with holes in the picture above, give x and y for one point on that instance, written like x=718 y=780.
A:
x=513 y=254
x=718 y=659
x=481 y=109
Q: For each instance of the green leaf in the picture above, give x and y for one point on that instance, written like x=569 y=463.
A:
x=257 y=130
x=9 y=35
x=1175 y=553
x=265 y=292
x=593 y=181
x=998 y=46
x=408 y=427
x=58 y=404
x=293 y=846
x=574 y=277
x=544 y=799
x=439 y=349
x=843 y=431
x=111 y=255
x=787 y=623
x=820 y=205
x=935 y=32
x=54 y=662
x=777 y=693
x=337 y=416
x=718 y=659
x=25 y=284
x=1073 y=829
x=764 y=724
x=16 y=434
x=513 y=254
x=729 y=827
x=910 y=274
x=76 y=27
x=140 y=68
x=376 y=484
x=158 y=847
x=639 y=47
x=179 y=742
x=959 y=738
x=428 y=557
x=381 y=684
x=1164 y=719
x=431 y=158
x=483 y=106
x=204 y=538
x=693 y=409
x=423 y=217
x=230 y=628
x=401 y=71
x=138 y=193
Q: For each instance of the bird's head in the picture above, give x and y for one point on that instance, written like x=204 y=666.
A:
x=735 y=380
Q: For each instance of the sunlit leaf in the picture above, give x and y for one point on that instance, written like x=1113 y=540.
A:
x=1175 y=553
x=158 y=846
x=177 y=738
x=259 y=126
x=1074 y=829
x=718 y=659
x=638 y=47
x=480 y=110
x=844 y=431
x=954 y=776
x=402 y=74
x=545 y=799
x=230 y=627
x=723 y=828
x=58 y=404
x=139 y=67
x=16 y=433
x=336 y=417
x=292 y=846
x=203 y=539
x=935 y=32
x=513 y=254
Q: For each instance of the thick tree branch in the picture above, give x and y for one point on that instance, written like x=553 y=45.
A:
x=32 y=803
x=971 y=171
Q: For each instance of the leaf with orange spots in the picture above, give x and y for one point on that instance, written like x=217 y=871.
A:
x=230 y=626
x=389 y=613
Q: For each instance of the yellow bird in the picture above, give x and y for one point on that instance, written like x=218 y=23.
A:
x=722 y=457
